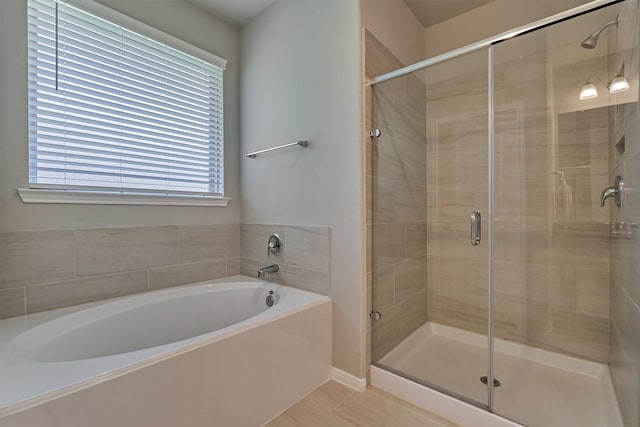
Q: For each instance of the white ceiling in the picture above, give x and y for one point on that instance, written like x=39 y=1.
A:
x=235 y=11
x=431 y=12
x=428 y=12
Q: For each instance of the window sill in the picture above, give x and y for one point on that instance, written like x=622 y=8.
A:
x=31 y=195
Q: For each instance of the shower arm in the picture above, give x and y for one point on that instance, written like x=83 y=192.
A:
x=592 y=40
x=605 y=26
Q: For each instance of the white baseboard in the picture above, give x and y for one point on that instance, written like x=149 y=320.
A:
x=351 y=381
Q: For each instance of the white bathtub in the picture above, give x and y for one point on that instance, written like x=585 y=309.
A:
x=206 y=354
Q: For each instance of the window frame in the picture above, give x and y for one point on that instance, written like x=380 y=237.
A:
x=44 y=193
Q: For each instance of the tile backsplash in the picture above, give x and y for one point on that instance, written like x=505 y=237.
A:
x=303 y=262
x=44 y=270
x=49 y=269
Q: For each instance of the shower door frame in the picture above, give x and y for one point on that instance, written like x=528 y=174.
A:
x=553 y=19
x=474 y=47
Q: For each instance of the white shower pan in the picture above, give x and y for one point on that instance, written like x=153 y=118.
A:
x=538 y=388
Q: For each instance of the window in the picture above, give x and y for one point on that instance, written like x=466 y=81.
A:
x=116 y=111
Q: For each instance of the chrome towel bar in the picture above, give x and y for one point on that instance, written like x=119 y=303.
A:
x=303 y=144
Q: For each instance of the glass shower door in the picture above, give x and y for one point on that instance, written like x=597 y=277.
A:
x=555 y=153
x=429 y=200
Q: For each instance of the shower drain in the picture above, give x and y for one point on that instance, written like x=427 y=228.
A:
x=485 y=380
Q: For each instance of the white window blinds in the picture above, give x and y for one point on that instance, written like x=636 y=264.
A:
x=113 y=110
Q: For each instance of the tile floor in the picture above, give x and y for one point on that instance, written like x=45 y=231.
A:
x=334 y=405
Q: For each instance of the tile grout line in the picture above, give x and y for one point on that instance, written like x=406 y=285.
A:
x=342 y=401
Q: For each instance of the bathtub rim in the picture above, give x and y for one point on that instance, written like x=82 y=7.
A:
x=33 y=341
x=21 y=324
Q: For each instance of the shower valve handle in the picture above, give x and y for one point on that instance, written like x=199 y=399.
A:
x=615 y=192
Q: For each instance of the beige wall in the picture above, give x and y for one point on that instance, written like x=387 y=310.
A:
x=489 y=20
x=396 y=27
x=301 y=80
x=175 y=17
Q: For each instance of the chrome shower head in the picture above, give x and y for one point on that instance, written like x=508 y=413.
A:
x=591 y=41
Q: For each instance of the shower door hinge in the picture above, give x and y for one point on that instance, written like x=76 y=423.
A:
x=375 y=133
x=375 y=315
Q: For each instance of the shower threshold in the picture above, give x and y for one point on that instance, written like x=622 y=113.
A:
x=538 y=387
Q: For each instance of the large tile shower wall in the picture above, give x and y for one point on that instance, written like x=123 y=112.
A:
x=551 y=269
x=48 y=269
x=624 y=149
x=625 y=269
x=551 y=272
x=396 y=211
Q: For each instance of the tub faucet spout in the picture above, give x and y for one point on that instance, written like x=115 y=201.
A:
x=262 y=272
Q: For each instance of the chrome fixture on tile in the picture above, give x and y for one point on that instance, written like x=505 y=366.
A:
x=375 y=133
x=272 y=299
x=615 y=191
x=624 y=229
x=476 y=228
x=591 y=41
x=274 y=245
x=262 y=272
x=375 y=315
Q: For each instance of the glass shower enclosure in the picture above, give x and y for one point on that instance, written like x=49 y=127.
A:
x=489 y=247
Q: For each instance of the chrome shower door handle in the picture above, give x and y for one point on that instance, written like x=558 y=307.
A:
x=476 y=228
